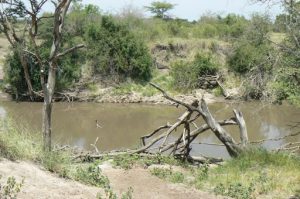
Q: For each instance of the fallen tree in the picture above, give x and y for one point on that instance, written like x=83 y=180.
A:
x=165 y=141
x=182 y=145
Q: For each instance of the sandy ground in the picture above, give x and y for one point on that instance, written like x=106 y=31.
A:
x=41 y=184
x=147 y=186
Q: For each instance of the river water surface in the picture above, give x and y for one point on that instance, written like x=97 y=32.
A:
x=123 y=124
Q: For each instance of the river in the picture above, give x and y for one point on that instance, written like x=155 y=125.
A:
x=123 y=124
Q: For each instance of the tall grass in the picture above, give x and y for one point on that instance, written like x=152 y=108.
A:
x=255 y=173
x=18 y=143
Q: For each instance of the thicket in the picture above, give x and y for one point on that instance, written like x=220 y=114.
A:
x=115 y=51
x=186 y=74
x=14 y=74
x=254 y=57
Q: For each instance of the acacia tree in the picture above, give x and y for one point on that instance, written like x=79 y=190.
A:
x=31 y=15
x=160 y=9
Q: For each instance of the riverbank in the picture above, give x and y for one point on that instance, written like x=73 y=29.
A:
x=114 y=95
x=255 y=174
x=40 y=183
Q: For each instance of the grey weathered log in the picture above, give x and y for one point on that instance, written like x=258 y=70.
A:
x=153 y=133
x=207 y=160
x=224 y=91
x=185 y=116
x=242 y=125
x=195 y=133
x=232 y=147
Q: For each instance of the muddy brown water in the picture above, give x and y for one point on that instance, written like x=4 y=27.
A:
x=123 y=124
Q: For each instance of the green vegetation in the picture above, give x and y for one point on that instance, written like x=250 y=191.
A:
x=186 y=74
x=116 y=52
x=122 y=50
x=256 y=173
x=11 y=189
x=91 y=174
x=128 y=161
x=169 y=174
x=160 y=9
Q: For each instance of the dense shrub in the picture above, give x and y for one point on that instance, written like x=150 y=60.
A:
x=115 y=51
x=14 y=73
x=247 y=56
x=254 y=57
x=68 y=71
x=186 y=74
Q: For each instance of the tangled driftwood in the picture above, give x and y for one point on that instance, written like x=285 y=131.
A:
x=182 y=145
x=164 y=140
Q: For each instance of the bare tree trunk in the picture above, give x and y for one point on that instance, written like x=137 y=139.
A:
x=232 y=147
x=47 y=108
x=26 y=74
x=242 y=125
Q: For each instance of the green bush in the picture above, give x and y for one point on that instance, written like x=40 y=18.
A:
x=11 y=189
x=68 y=71
x=169 y=174
x=186 y=74
x=116 y=52
x=92 y=175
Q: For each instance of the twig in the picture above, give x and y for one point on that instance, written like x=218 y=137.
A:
x=94 y=145
x=275 y=139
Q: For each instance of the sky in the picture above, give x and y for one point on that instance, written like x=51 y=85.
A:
x=193 y=9
x=189 y=9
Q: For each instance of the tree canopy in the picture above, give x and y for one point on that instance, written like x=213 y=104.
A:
x=160 y=8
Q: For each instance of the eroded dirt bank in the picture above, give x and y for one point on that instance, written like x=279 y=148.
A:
x=41 y=184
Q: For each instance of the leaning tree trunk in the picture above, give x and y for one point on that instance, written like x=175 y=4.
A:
x=26 y=74
x=181 y=145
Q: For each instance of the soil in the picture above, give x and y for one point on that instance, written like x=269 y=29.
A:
x=41 y=184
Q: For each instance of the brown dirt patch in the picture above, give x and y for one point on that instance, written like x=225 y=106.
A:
x=41 y=184
x=147 y=186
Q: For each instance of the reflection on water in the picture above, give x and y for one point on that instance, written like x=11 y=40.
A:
x=123 y=124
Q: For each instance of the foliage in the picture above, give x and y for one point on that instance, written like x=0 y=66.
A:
x=246 y=57
x=115 y=51
x=186 y=74
x=91 y=174
x=160 y=9
x=14 y=74
x=109 y=194
x=128 y=194
x=17 y=143
x=287 y=84
x=254 y=58
x=235 y=190
x=127 y=161
x=11 y=189
x=169 y=174
x=252 y=49
x=256 y=172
